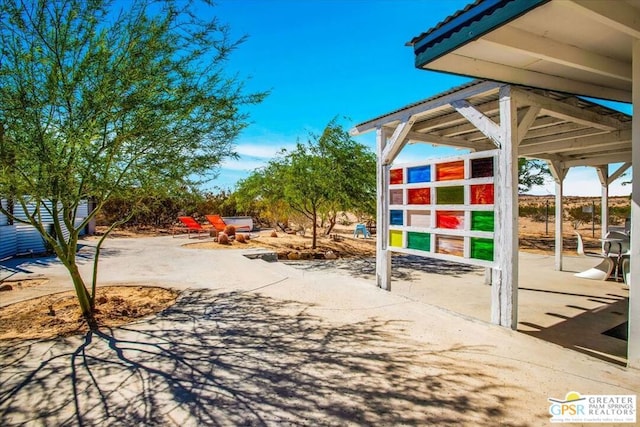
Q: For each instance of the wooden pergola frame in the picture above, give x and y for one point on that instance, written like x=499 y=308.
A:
x=519 y=121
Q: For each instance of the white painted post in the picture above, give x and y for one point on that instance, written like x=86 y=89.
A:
x=603 y=175
x=559 y=229
x=633 y=349
x=383 y=256
x=559 y=173
x=504 y=289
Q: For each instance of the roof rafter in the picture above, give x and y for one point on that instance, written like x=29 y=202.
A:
x=557 y=52
x=621 y=17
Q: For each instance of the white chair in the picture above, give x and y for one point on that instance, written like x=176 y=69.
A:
x=626 y=270
x=601 y=271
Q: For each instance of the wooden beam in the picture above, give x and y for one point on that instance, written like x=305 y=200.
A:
x=604 y=159
x=383 y=255
x=526 y=120
x=549 y=145
x=513 y=39
x=398 y=140
x=565 y=111
x=484 y=124
x=480 y=89
x=622 y=169
x=555 y=130
x=429 y=138
x=487 y=108
x=603 y=177
x=453 y=63
x=621 y=17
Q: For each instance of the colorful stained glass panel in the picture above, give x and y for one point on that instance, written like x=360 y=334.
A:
x=482 y=194
x=450 y=245
x=396 y=197
x=482 y=168
x=482 y=249
x=450 y=219
x=453 y=195
x=396 y=176
x=419 y=174
x=450 y=171
x=395 y=238
x=419 y=196
x=420 y=241
x=419 y=218
x=396 y=217
x=482 y=220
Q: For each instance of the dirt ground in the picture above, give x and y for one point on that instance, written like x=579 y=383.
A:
x=57 y=315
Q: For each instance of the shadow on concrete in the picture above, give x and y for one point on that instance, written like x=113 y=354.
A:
x=245 y=359
x=586 y=332
x=402 y=267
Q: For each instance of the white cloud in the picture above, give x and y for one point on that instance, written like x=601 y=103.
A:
x=265 y=150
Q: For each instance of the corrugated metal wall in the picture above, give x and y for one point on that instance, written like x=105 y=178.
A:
x=22 y=238
x=8 y=240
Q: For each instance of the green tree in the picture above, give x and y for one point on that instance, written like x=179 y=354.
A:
x=530 y=173
x=96 y=101
x=317 y=179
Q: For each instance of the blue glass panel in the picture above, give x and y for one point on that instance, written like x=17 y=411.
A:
x=396 y=217
x=419 y=174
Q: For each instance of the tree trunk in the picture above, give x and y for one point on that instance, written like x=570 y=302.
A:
x=332 y=223
x=315 y=230
x=83 y=294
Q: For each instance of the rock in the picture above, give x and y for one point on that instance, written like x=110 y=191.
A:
x=6 y=287
x=330 y=255
x=293 y=256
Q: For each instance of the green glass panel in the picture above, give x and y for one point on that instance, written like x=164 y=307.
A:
x=450 y=195
x=482 y=220
x=420 y=241
x=395 y=238
x=482 y=249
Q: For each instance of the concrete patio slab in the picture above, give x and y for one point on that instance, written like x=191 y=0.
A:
x=257 y=343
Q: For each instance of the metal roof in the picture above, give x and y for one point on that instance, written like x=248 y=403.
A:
x=548 y=44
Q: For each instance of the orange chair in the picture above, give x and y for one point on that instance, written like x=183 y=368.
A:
x=219 y=224
x=192 y=225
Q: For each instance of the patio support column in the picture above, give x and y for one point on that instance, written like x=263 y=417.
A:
x=559 y=172
x=633 y=352
x=383 y=256
x=603 y=175
x=504 y=288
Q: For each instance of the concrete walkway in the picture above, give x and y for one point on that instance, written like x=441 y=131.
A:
x=254 y=343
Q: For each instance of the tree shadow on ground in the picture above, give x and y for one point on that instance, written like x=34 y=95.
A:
x=402 y=267
x=245 y=359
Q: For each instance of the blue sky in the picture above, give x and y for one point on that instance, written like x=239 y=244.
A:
x=325 y=58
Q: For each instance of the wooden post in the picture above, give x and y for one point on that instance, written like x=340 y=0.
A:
x=559 y=173
x=633 y=349
x=603 y=175
x=504 y=289
x=383 y=256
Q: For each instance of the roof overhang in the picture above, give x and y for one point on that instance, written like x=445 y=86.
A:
x=563 y=128
x=576 y=46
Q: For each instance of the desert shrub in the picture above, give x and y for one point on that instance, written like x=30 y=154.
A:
x=240 y=238
x=223 y=239
x=274 y=234
x=230 y=230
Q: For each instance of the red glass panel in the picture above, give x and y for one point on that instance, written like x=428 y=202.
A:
x=419 y=196
x=396 y=176
x=450 y=171
x=450 y=219
x=482 y=194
